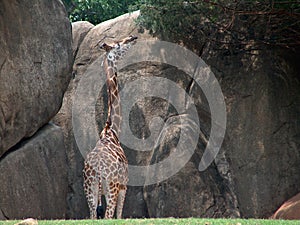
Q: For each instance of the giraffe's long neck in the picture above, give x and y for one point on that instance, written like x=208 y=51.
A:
x=114 y=109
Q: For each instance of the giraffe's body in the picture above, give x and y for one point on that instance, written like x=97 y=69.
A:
x=106 y=167
x=105 y=173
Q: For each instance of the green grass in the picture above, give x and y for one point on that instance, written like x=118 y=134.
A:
x=167 y=221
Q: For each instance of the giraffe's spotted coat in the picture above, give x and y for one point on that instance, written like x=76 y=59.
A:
x=106 y=167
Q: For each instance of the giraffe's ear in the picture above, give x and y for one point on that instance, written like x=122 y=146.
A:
x=129 y=39
x=106 y=47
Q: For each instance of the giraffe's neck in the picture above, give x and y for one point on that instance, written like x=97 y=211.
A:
x=114 y=109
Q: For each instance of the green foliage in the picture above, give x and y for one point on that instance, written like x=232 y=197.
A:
x=273 y=22
x=196 y=22
x=96 y=11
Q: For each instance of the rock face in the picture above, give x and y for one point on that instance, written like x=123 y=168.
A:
x=79 y=31
x=35 y=69
x=290 y=210
x=86 y=53
x=189 y=192
x=77 y=207
x=262 y=137
x=34 y=177
x=258 y=164
x=41 y=167
x=35 y=65
x=200 y=199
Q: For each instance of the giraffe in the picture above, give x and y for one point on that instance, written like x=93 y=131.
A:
x=106 y=167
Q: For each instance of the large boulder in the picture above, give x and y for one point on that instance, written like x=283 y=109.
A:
x=79 y=31
x=77 y=207
x=35 y=63
x=85 y=40
x=262 y=93
x=188 y=192
x=140 y=201
x=257 y=167
x=33 y=181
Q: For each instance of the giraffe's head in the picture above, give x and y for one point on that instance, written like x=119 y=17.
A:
x=118 y=49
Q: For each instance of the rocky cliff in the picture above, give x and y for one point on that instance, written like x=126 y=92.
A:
x=255 y=171
x=35 y=63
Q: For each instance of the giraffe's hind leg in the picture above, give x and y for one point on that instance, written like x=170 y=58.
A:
x=121 y=199
x=90 y=185
x=91 y=195
x=100 y=208
x=111 y=199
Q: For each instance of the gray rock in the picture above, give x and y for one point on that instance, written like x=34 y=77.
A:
x=77 y=207
x=86 y=55
x=2 y=217
x=33 y=181
x=138 y=202
x=257 y=167
x=189 y=192
x=35 y=63
x=79 y=31
x=262 y=92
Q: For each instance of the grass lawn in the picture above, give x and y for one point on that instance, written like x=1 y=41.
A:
x=167 y=221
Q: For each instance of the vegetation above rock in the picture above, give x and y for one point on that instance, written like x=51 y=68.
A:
x=96 y=11
x=222 y=22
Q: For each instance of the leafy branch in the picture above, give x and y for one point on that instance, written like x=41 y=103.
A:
x=235 y=22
